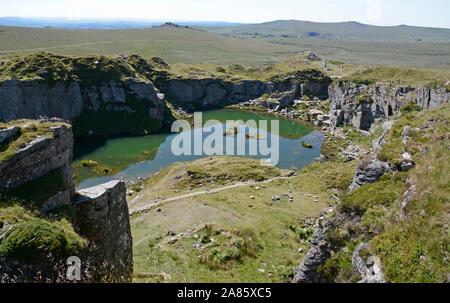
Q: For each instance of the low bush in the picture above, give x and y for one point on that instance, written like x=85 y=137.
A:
x=38 y=239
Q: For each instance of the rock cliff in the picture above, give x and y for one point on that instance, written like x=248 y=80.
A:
x=428 y=98
x=135 y=105
x=99 y=215
x=196 y=94
x=211 y=93
x=362 y=105
x=38 y=158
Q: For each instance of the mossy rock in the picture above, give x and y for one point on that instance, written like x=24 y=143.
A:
x=306 y=145
x=37 y=239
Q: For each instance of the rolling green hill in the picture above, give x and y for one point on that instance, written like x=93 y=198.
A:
x=186 y=45
x=171 y=43
x=348 y=31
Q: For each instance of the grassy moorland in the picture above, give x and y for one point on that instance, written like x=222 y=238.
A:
x=348 y=31
x=173 y=44
x=234 y=235
x=353 y=42
x=181 y=45
x=92 y=69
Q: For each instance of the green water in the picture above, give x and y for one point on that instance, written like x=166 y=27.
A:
x=132 y=157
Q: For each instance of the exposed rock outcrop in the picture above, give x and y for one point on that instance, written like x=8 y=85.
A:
x=8 y=133
x=316 y=255
x=101 y=216
x=33 y=99
x=195 y=94
x=320 y=251
x=211 y=93
x=370 y=269
x=361 y=105
x=370 y=169
x=428 y=98
x=38 y=158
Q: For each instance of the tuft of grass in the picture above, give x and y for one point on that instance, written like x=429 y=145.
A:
x=224 y=250
x=302 y=233
x=286 y=272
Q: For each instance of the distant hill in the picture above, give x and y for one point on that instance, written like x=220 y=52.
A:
x=348 y=31
x=99 y=23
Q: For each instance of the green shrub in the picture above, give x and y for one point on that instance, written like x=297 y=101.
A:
x=400 y=176
x=302 y=233
x=265 y=97
x=224 y=251
x=339 y=269
x=37 y=238
x=413 y=107
x=286 y=271
x=379 y=193
x=337 y=237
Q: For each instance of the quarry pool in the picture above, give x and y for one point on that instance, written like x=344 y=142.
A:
x=98 y=160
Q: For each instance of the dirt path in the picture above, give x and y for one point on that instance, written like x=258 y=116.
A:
x=135 y=209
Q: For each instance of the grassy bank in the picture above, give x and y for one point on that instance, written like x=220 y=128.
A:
x=179 y=45
x=409 y=236
x=238 y=234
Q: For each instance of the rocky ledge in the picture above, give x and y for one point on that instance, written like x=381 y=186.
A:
x=100 y=214
x=361 y=105
x=77 y=101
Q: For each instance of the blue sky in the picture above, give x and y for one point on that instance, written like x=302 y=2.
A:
x=434 y=13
